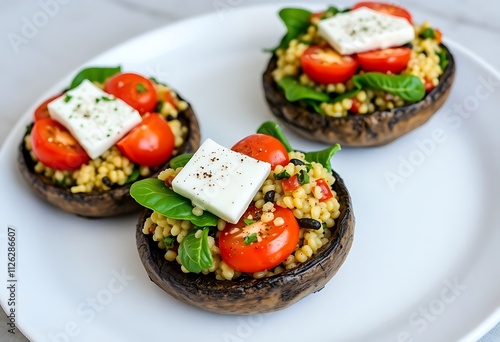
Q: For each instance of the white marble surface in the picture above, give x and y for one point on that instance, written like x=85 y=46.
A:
x=72 y=32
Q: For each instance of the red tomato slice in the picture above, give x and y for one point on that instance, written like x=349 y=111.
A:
x=42 y=111
x=325 y=189
x=150 y=143
x=271 y=245
x=55 y=147
x=392 y=60
x=324 y=65
x=136 y=90
x=385 y=8
x=290 y=184
x=168 y=97
x=263 y=147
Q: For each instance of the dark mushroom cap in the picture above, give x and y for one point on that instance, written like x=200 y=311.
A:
x=98 y=203
x=374 y=129
x=245 y=295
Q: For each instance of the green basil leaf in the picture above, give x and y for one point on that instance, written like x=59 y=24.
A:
x=136 y=173
x=303 y=177
x=295 y=91
x=428 y=32
x=180 y=161
x=443 y=58
x=408 y=87
x=330 y=12
x=94 y=74
x=347 y=95
x=315 y=106
x=323 y=157
x=296 y=21
x=273 y=129
x=152 y=193
x=194 y=253
x=282 y=175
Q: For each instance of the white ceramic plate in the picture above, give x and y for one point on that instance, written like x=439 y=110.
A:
x=424 y=263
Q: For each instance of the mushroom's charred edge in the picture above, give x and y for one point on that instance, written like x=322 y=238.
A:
x=247 y=296
x=98 y=204
x=375 y=129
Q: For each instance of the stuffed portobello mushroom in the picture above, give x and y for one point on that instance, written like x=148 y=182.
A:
x=361 y=76
x=246 y=230
x=110 y=128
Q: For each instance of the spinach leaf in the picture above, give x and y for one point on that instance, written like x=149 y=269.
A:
x=180 y=161
x=443 y=58
x=296 y=21
x=323 y=157
x=295 y=91
x=152 y=193
x=136 y=173
x=94 y=74
x=330 y=12
x=194 y=253
x=347 y=95
x=315 y=106
x=408 y=87
x=428 y=32
x=273 y=129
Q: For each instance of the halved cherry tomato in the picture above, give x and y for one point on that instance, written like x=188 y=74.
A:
x=42 y=111
x=272 y=244
x=136 y=90
x=290 y=184
x=55 y=147
x=355 y=105
x=392 y=60
x=263 y=147
x=150 y=143
x=438 y=36
x=428 y=85
x=324 y=65
x=386 y=8
x=325 y=189
x=167 y=96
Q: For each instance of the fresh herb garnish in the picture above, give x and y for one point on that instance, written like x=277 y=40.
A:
x=248 y=221
x=295 y=91
x=282 y=175
x=169 y=242
x=134 y=175
x=428 y=32
x=296 y=21
x=67 y=98
x=180 y=161
x=94 y=74
x=154 y=194
x=323 y=157
x=303 y=177
x=194 y=252
x=250 y=238
x=443 y=58
x=408 y=87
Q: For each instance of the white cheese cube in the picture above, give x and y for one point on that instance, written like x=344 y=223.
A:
x=220 y=180
x=96 y=119
x=364 y=29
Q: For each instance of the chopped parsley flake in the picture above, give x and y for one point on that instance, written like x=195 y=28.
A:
x=282 y=175
x=250 y=238
x=248 y=221
x=67 y=98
